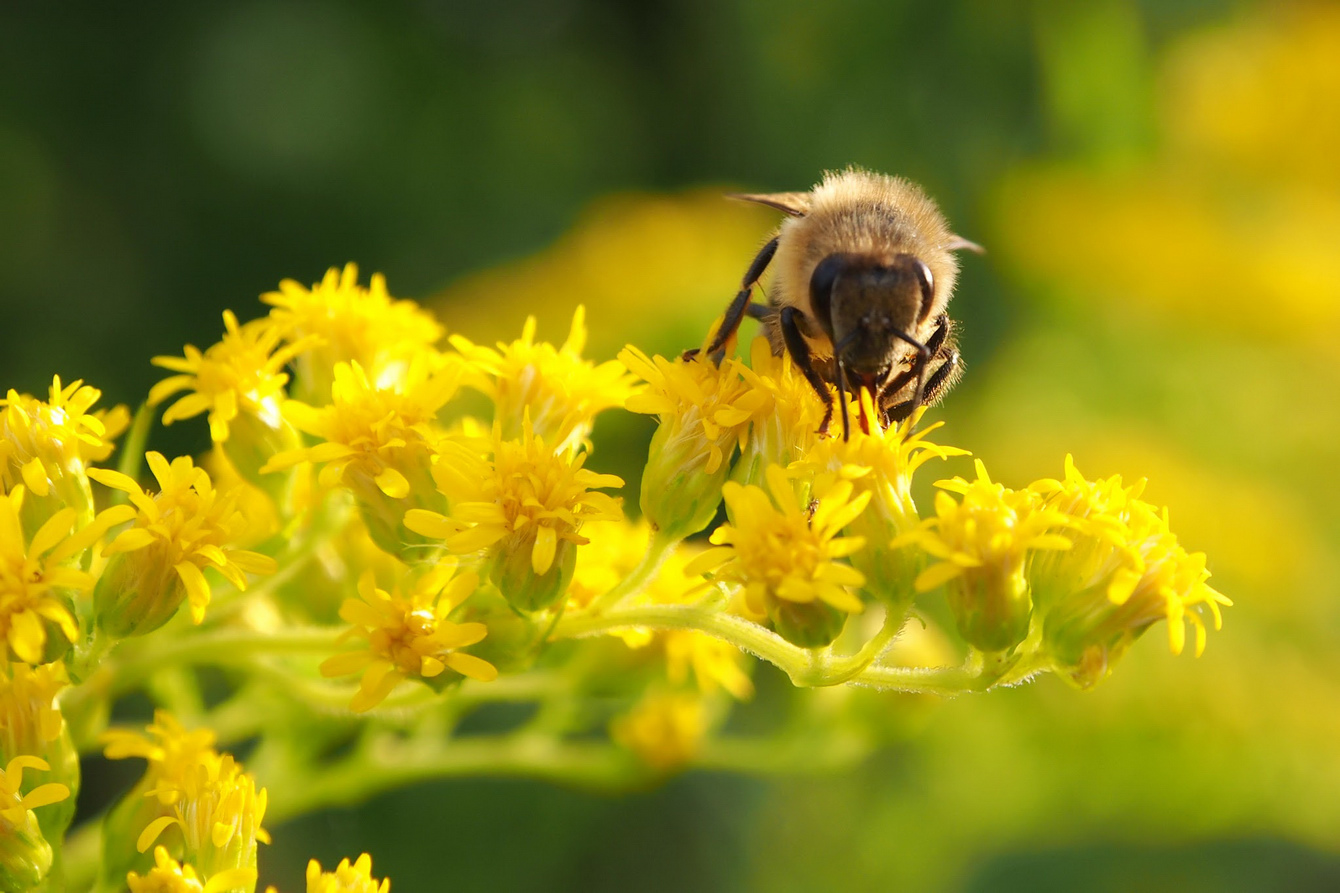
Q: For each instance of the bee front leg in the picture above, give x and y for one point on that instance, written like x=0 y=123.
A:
x=735 y=313
x=799 y=348
x=947 y=368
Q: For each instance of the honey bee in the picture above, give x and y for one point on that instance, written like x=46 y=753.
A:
x=864 y=268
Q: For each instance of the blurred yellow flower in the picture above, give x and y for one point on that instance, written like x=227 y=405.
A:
x=346 y=878
x=714 y=663
x=649 y=269
x=340 y=322
x=665 y=730
x=242 y=373
x=561 y=392
x=613 y=548
x=180 y=531
x=408 y=636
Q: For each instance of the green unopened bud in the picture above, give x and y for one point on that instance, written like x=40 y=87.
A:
x=384 y=501
x=807 y=624
x=25 y=853
x=992 y=606
x=513 y=571
x=681 y=485
x=254 y=436
x=137 y=593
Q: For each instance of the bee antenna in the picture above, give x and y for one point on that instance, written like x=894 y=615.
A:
x=842 y=345
x=842 y=394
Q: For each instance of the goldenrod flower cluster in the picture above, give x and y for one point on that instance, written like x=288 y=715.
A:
x=359 y=544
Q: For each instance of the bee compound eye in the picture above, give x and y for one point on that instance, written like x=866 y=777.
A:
x=822 y=282
x=926 y=281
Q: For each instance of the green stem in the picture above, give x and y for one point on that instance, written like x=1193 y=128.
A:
x=121 y=673
x=658 y=550
x=806 y=667
x=383 y=766
x=132 y=449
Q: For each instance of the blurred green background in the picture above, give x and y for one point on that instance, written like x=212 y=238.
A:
x=1156 y=183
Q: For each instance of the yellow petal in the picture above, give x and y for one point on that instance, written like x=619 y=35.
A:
x=546 y=544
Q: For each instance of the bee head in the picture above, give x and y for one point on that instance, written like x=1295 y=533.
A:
x=870 y=307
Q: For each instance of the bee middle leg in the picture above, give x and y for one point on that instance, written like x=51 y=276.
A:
x=799 y=349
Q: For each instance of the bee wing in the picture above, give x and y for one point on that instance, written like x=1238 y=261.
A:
x=797 y=204
x=958 y=243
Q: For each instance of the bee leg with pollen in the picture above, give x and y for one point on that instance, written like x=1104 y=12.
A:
x=735 y=313
x=799 y=348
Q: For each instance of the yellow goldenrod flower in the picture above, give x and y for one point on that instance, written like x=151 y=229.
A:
x=355 y=878
x=784 y=426
x=787 y=558
x=25 y=854
x=37 y=582
x=351 y=324
x=704 y=412
x=409 y=636
x=666 y=731
x=880 y=461
x=1125 y=572
x=983 y=542
x=240 y=382
x=47 y=446
x=241 y=373
x=613 y=549
x=170 y=876
x=160 y=559
x=218 y=811
x=168 y=747
x=525 y=507
x=378 y=441
x=561 y=392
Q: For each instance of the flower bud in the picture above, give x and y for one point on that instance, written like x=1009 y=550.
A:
x=681 y=488
x=992 y=605
x=254 y=438
x=704 y=412
x=25 y=853
x=512 y=570
x=807 y=624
